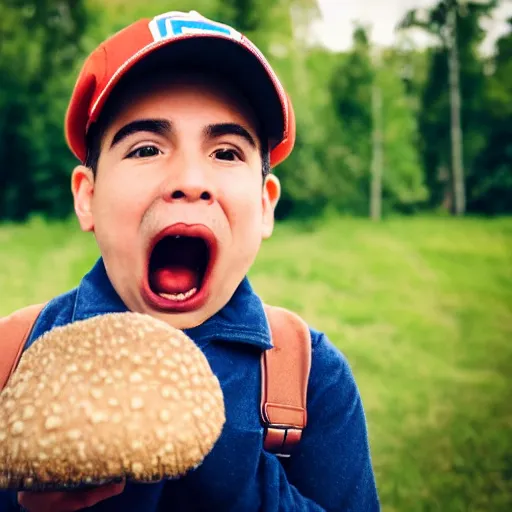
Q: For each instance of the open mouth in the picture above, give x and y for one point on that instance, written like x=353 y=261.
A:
x=179 y=265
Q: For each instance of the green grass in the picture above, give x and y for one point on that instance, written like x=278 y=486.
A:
x=422 y=308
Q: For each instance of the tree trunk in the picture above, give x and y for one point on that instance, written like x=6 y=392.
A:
x=377 y=155
x=456 y=135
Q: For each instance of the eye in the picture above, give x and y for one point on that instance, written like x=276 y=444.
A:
x=144 y=152
x=228 y=155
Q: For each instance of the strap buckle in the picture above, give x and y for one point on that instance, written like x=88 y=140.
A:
x=281 y=439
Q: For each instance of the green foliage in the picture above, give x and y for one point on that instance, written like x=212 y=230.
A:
x=491 y=187
x=308 y=176
x=403 y=188
x=44 y=44
x=485 y=99
x=41 y=42
x=435 y=119
x=351 y=87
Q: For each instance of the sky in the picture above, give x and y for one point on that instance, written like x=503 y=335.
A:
x=335 y=29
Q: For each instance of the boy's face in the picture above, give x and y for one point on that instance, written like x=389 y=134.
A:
x=178 y=206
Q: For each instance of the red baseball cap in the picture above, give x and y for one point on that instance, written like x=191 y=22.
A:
x=172 y=40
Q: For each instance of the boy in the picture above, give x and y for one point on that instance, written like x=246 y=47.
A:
x=177 y=122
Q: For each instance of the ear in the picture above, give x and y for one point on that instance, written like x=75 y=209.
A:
x=271 y=194
x=82 y=186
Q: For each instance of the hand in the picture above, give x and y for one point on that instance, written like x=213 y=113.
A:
x=68 y=501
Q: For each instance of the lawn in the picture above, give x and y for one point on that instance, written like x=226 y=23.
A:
x=422 y=308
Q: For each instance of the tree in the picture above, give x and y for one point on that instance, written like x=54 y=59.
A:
x=39 y=49
x=449 y=112
x=356 y=80
x=377 y=153
x=404 y=188
x=351 y=89
x=491 y=183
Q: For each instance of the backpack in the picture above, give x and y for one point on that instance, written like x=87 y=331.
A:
x=284 y=371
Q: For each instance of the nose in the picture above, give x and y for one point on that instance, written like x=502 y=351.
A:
x=189 y=183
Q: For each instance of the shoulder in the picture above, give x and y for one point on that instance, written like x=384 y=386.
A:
x=325 y=354
x=332 y=385
x=57 y=311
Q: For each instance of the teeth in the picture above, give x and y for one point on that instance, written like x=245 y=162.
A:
x=179 y=297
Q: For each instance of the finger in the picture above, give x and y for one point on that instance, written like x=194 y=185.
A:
x=68 y=501
x=89 y=497
x=37 y=501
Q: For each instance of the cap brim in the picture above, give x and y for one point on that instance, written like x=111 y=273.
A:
x=226 y=58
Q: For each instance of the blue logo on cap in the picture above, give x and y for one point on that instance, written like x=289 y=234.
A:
x=177 y=23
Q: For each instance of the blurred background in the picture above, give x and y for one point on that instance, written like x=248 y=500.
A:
x=395 y=234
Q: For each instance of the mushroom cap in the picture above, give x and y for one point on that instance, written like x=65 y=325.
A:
x=120 y=395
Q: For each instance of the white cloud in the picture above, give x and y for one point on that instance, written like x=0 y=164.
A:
x=335 y=29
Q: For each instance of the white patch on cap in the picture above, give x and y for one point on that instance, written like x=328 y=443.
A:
x=176 y=23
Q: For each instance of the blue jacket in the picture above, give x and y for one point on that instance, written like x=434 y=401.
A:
x=330 y=469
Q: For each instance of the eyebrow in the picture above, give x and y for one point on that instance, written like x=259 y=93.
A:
x=164 y=127
x=158 y=126
x=219 y=130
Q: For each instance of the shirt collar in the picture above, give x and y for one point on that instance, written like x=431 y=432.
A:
x=241 y=320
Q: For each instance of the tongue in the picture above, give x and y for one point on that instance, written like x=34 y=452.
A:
x=177 y=265
x=174 y=279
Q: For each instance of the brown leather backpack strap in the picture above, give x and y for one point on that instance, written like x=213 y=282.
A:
x=285 y=376
x=14 y=331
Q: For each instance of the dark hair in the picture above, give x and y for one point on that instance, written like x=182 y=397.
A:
x=93 y=144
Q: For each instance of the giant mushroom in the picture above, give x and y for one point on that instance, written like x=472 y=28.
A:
x=120 y=395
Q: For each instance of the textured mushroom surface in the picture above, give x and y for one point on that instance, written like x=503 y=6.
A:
x=121 y=395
